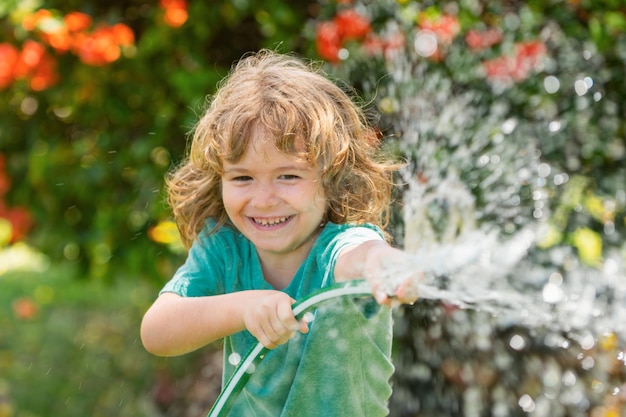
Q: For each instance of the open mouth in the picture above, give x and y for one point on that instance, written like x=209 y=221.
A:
x=270 y=221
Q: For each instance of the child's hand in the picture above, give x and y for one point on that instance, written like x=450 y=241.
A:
x=393 y=274
x=394 y=277
x=271 y=319
x=397 y=290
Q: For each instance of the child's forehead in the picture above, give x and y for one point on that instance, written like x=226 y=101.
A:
x=269 y=148
x=262 y=138
x=265 y=156
x=264 y=143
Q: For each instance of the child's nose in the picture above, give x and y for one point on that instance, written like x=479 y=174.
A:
x=265 y=196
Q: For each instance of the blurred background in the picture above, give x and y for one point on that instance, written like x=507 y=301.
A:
x=511 y=116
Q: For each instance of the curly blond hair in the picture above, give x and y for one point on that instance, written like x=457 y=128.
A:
x=291 y=101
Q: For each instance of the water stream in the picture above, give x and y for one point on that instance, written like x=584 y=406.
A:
x=505 y=326
x=497 y=334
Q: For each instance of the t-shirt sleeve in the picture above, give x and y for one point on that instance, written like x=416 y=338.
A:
x=348 y=236
x=202 y=272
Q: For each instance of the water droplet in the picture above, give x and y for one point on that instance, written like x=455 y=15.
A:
x=551 y=84
x=554 y=126
x=517 y=342
x=62 y=112
x=552 y=293
x=527 y=403
x=509 y=126
x=581 y=87
x=234 y=358
x=569 y=378
x=560 y=179
x=29 y=105
x=588 y=342
x=543 y=170
x=588 y=363
x=425 y=43
x=597 y=96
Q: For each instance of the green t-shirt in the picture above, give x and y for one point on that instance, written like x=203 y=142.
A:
x=341 y=368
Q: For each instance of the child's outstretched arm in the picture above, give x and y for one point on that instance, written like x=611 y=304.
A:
x=175 y=325
x=379 y=263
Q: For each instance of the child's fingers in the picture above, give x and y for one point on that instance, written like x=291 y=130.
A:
x=380 y=295
x=303 y=326
x=407 y=292
x=264 y=333
x=402 y=291
x=286 y=320
x=280 y=326
x=272 y=321
x=273 y=335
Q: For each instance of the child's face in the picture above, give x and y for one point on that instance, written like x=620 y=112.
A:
x=275 y=199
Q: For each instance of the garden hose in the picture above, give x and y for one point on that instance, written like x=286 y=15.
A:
x=237 y=381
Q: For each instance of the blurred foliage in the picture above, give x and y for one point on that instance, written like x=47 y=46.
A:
x=72 y=348
x=86 y=143
x=517 y=104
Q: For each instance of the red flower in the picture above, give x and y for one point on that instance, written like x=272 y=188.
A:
x=5 y=182
x=31 y=22
x=45 y=75
x=394 y=43
x=517 y=67
x=36 y=66
x=352 y=25
x=347 y=25
x=499 y=68
x=103 y=45
x=122 y=34
x=77 y=21
x=98 y=48
x=444 y=26
x=374 y=45
x=20 y=219
x=527 y=57
x=60 y=39
x=530 y=51
x=175 y=12
x=30 y=58
x=328 y=41
x=25 y=308
x=478 y=41
x=9 y=56
x=387 y=46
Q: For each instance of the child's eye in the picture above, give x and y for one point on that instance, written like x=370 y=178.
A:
x=241 y=178
x=288 y=177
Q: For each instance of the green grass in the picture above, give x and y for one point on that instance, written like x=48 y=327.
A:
x=79 y=354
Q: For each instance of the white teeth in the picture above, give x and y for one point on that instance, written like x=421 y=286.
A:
x=270 y=222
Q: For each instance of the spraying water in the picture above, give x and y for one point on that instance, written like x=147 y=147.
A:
x=507 y=325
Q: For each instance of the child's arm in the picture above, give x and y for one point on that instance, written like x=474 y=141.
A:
x=377 y=261
x=175 y=325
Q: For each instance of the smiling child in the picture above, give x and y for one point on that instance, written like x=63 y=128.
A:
x=283 y=193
